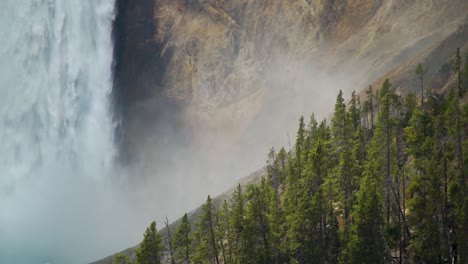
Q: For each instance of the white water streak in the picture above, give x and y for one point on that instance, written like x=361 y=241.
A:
x=56 y=130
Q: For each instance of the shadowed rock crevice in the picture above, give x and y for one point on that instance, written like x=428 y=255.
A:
x=140 y=63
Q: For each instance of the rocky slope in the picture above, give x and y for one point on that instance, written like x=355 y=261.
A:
x=232 y=72
x=206 y=69
x=213 y=61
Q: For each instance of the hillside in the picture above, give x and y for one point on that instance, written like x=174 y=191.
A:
x=194 y=215
x=217 y=66
x=352 y=191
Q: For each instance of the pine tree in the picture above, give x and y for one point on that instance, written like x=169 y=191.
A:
x=326 y=196
x=420 y=73
x=222 y=232
x=427 y=143
x=273 y=169
x=453 y=167
x=121 y=259
x=458 y=70
x=169 y=241
x=369 y=107
x=313 y=126
x=367 y=244
x=237 y=222
x=301 y=150
x=353 y=114
x=150 y=251
x=182 y=240
x=426 y=244
x=276 y=221
x=465 y=74
x=257 y=225
x=338 y=125
x=385 y=99
x=462 y=246
x=226 y=230
x=208 y=248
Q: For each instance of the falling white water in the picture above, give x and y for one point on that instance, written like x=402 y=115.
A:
x=56 y=130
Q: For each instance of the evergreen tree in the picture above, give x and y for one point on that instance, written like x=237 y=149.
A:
x=427 y=206
x=182 y=240
x=369 y=107
x=338 y=125
x=169 y=241
x=462 y=242
x=420 y=73
x=237 y=222
x=207 y=248
x=460 y=247
x=257 y=225
x=301 y=150
x=465 y=74
x=367 y=244
x=275 y=219
x=222 y=233
x=150 y=251
x=121 y=259
x=458 y=71
x=353 y=114
x=273 y=169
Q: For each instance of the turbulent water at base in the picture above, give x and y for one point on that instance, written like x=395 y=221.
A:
x=56 y=129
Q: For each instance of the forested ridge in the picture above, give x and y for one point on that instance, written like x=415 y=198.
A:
x=384 y=181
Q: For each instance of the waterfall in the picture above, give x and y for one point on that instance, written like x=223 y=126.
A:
x=56 y=128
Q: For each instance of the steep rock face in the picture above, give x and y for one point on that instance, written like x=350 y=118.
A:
x=205 y=87
x=210 y=62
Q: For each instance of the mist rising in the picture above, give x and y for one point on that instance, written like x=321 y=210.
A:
x=116 y=113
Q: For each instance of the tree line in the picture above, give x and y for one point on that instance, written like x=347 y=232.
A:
x=384 y=182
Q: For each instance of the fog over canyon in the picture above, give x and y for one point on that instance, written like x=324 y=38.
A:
x=117 y=112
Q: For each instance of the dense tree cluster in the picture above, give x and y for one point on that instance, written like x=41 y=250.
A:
x=384 y=182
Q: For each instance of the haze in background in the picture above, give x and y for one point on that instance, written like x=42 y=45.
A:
x=206 y=88
x=197 y=103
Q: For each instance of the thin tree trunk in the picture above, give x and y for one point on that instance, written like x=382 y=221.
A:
x=422 y=87
x=170 y=241
x=372 y=109
x=404 y=206
x=187 y=249
x=213 y=240
x=401 y=212
x=228 y=234
x=388 y=157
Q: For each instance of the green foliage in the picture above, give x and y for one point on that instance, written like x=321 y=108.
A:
x=120 y=258
x=150 y=251
x=237 y=223
x=207 y=247
x=257 y=227
x=458 y=65
x=465 y=74
x=182 y=240
x=367 y=242
x=420 y=73
x=383 y=183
